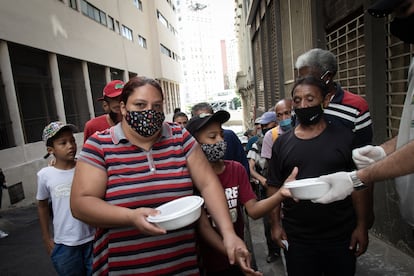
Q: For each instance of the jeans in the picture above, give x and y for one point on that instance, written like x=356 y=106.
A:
x=323 y=258
x=73 y=260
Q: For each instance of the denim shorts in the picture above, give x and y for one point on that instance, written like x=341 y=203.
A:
x=73 y=260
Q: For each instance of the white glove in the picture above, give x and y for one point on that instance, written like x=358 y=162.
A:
x=341 y=186
x=367 y=155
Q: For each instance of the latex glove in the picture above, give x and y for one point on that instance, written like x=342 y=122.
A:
x=367 y=155
x=341 y=186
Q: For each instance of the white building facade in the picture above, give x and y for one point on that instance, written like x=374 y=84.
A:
x=56 y=57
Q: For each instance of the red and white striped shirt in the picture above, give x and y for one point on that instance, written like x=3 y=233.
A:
x=139 y=178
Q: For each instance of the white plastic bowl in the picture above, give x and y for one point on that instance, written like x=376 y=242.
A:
x=307 y=188
x=178 y=213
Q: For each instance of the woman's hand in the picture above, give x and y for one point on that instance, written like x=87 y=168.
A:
x=139 y=220
x=243 y=260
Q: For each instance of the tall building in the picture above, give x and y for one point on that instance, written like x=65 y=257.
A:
x=200 y=55
x=56 y=57
x=203 y=48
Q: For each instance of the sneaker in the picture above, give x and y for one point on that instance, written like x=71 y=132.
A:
x=3 y=234
x=272 y=257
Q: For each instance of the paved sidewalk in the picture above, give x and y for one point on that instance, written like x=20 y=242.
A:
x=23 y=252
x=381 y=259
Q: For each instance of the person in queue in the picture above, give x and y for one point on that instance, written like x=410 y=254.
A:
x=124 y=172
x=180 y=118
x=69 y=244
x=345 y=108
x=283 y=110
x=207 y=129
x=321 y=239
x=110 y=104
x=235 y=150
x=257 y=132
x=393 y=158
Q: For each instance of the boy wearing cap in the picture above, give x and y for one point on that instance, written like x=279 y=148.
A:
x=111 y=98
x=70 y=248
x=206 y=128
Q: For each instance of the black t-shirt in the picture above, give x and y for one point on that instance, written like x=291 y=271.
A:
x=327 y=153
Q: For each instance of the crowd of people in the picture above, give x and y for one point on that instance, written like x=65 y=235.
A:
x=132 y=161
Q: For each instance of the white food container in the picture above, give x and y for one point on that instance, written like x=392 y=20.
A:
x=307 y=188
x=178 y=213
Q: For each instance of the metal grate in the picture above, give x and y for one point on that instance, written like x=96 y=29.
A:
x=264 y=34
x=398 y=55
x=347 y=43
x=273 y=52
x=258 y=71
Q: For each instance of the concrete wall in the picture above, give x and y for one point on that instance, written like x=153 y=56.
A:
x=52 y=26
x=21 y=164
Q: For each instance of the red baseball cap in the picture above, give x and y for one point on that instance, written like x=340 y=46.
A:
x=112 y=89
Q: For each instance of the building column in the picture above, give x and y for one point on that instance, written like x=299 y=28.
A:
x=57 y=87
x=107 y=74
x=88 y=90
x=10 y=90
x=126 y=76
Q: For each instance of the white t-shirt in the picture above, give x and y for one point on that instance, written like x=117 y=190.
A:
x=255 y=155
x=55 y=184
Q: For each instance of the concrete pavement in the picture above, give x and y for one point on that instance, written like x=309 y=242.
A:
x=23 y=252
x=381 y=259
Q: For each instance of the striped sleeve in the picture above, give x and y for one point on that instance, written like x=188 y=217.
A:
x=92 y=152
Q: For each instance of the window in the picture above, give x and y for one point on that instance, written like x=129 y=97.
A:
x=142 y=42
x=73 y=4
x=102 y=17
x=111 y=23
x=6 y=131
x=138 y=4
x=117 y=29
x=126 y=32
x=93 y=12
x=162 y=19
x=34 y=90
x=165 y=50
x=73 y=91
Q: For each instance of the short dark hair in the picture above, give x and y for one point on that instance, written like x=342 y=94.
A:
x=201 y=106
x=179 y=114
x=311 y=80
x=136 y=82
x=51 y=140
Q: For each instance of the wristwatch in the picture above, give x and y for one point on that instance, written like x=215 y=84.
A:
x=358 y=184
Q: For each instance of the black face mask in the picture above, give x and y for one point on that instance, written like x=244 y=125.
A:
x=403 y=28
x=309 y=115
x=113 y=116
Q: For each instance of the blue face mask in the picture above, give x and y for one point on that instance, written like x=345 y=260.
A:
x=286 y=124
